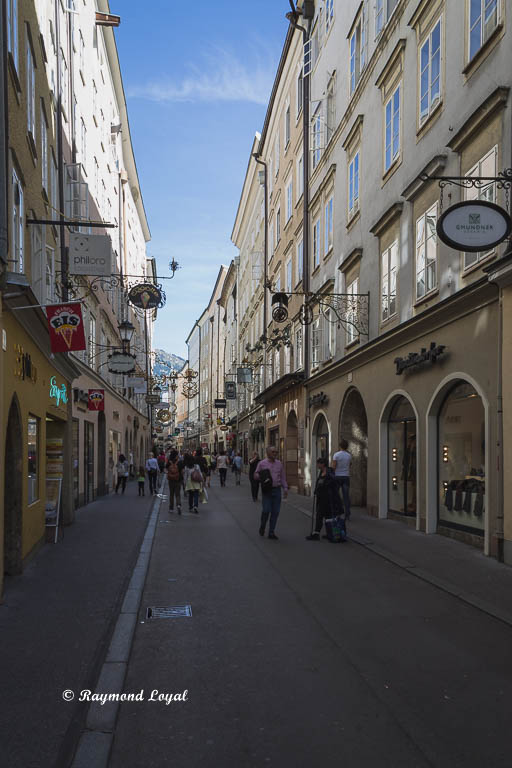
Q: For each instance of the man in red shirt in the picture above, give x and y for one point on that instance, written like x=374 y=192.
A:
x=270 y=472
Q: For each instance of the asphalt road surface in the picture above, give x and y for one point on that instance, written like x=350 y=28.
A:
x=303 y=654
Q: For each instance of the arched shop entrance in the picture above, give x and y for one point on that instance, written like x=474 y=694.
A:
x=292 y=452
x=461 y=452
x=402 y=446
x=354 y=429
x=321 y=442
x=13 y=491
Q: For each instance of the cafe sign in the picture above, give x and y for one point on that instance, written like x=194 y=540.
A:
x=145 y=296
x=474 y=225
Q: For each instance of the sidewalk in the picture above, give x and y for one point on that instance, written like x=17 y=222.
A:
x=457 y=568
x=56 y=622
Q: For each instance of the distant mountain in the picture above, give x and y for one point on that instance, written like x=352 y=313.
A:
x=166 y=362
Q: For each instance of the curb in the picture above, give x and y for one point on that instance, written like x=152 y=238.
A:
x=430 y=578
x=93 y=750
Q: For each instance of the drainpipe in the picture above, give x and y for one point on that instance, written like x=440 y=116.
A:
x=4 y=139
x=258 y=159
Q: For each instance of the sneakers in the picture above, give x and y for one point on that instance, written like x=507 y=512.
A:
x=272 y=536
x=313 y=537
x=196 y=510
x=179 y=509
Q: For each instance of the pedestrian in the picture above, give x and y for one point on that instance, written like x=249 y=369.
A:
x=270 y=473
x=123 y=470
x=132 y=468
x=341 y=462
x=193 y=481
x=161 y=461
x=325 y=496
x=253 y=463
x=222 y=465
x=174 y=479
x=141 y=479
x=213 y=465
x=237 y=464
x=208 y=459
x=152 y=470
x=201 y=461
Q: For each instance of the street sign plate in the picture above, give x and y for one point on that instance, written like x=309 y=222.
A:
x=219 y=402
x=153 y=399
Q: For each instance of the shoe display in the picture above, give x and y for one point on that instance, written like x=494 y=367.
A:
x=272 y=536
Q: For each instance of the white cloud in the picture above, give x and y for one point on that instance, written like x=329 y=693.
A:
x=222 y=77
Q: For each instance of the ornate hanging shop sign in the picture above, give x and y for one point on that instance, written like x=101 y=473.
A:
x=164 y=416
x=145 y=296
x=414 y=359
x=66 y=327
x=58 y=393
x=121 y=362
x=474 y=225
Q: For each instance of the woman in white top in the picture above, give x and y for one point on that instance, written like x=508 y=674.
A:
x=193 y=482
x=222 y=466
x=123 y=469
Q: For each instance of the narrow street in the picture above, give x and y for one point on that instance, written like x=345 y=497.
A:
x=301 y=654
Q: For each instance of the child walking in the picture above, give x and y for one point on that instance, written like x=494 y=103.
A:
x=141 y=476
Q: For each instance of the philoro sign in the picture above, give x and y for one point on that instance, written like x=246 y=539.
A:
x=90 y=255
x=474 y=225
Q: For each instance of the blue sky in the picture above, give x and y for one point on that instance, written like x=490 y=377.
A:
x=197 y=77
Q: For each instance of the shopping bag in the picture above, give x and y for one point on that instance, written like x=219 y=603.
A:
x=336 y=529
x=203 y=496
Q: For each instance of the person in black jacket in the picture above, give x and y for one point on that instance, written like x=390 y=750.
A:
x=253 y=463
x=325 y=492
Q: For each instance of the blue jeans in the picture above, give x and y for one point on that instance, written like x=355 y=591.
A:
x=271 y=508
x=343 y=483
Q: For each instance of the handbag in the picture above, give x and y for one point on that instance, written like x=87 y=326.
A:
x=203 y=496
x=265 y=481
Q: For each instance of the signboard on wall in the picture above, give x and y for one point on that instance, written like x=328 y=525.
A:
x=66 y=327
x=474 y=225
x=90 y=255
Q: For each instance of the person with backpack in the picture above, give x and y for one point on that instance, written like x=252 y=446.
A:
x=237 y=464
x=174 y=479
x=325 y=497
x=271 y=475
x=193 y=481
x=123 y=470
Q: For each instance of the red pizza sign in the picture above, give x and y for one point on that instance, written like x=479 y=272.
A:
x=96 y=400
x=66 y=327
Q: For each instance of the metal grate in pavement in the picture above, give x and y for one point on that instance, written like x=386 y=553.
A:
x=169 y=612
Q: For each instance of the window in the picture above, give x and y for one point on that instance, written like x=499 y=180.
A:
x=331 y=109
x=317 y=138
x=49 y=276
x=353 y=185
x=426 y=252
x=383 y=12
x=44 y=150
x=83 y=143
x=430 y=72
x=289 y=276
x=270 y=239
x=287 y=126
x=278 y=226
x=91 y=340
x=486 y=166
x=12 y=30
x=300 y=177
x=330 y=334
x=277 y=286
x=37 y=234
x=316 y=340
x=300 y=92
x=287 y=359
x=483 y=20
x=33 y=449
x=329 y=14
x=389 y=268
x=357 y=47
x=31 y=91
x=352 y=290
x=316 y=244
x=328 y=227
x=277 y=365
x=289 y=200
x=300 y=259
x=392 y=129
x=53 y=184
x=299 y=362
x=17 y=224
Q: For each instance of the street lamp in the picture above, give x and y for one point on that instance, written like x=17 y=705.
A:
x=126 y=331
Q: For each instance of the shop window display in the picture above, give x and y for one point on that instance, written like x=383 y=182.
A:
x=33 y=493
x=462 y=460
x=322 y=439
x=402 y=459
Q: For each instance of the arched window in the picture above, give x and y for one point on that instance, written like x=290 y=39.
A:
x=402 y=458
